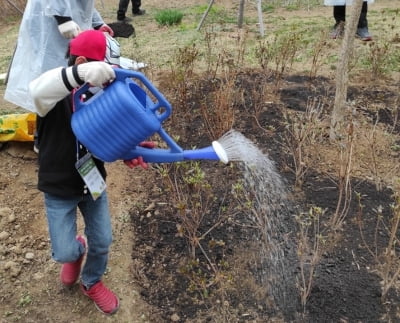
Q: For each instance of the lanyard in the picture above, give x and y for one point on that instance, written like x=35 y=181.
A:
x=82 y=98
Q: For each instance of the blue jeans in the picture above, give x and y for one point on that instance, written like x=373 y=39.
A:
x=61 y=219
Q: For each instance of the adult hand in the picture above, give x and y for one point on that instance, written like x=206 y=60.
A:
x=107 y=29
x=69 y=29
x=96 y=73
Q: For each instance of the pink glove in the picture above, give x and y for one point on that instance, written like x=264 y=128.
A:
x=107 y=29
x=139 y=161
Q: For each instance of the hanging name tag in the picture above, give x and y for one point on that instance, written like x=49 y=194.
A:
x=91 y=175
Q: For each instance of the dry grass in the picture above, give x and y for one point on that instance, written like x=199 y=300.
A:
x=11 y=9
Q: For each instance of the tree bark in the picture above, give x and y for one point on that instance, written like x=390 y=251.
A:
x=260 y=18
x=205 y=15
x=339 y=113
x=240 y=15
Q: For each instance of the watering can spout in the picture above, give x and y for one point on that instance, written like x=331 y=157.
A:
x=213 y=152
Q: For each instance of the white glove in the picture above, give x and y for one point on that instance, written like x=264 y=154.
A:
x=69 y=29
x=96 y=73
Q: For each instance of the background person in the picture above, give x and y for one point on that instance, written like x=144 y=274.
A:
x=123 y=8
x=45 y=30
x=339 y=14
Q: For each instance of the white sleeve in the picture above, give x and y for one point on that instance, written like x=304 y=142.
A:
x=51 y=87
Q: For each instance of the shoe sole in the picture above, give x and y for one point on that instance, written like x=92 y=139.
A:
x=99 y=309
x=364 y=38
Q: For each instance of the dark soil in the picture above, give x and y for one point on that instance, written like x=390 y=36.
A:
x=122 y=29
x=346 y=286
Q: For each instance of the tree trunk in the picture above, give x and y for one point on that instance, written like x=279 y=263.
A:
x=339 y=112
x=240 y=15
x=205 y=15
x=260 y=18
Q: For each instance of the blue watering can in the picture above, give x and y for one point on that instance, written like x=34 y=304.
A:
x=113 y=122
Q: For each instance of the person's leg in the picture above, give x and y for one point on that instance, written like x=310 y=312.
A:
x=136 y=11
x=339 y=13
x=363 y=22
x=61 y=219
x=122 y=9
x=136 y=5
x=362 y=28
x=99 y=237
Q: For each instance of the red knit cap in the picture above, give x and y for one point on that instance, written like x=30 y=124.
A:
x=90 y=44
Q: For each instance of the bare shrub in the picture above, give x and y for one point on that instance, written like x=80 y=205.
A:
x=279 y=53
x=387 y=260
x=316 y=54
x=192 y=197
x=378 y=58
x=345 y=167
x=218 y=113
x=395 y=112
x=303 y=130
x=287 y=47
x=223 y=62
x=391 y=265
x=310 y=248
x=264 y=53
x=373 y=164
x=375 y=153
x=182 y=75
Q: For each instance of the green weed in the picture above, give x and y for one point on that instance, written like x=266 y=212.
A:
x=25 y=300
x=169 y=17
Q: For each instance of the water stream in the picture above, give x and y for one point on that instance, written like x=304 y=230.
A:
x=271 y=213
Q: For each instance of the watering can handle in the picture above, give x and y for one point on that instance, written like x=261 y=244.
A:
x=121 y=74
x=78 y=93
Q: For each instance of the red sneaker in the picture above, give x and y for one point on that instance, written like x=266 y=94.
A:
x=104 y=299
x=70 y=271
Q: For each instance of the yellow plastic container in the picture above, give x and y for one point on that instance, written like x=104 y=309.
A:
x=17 y=127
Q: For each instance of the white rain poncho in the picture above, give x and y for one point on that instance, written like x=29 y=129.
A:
x=40 y=45
x=342 y=2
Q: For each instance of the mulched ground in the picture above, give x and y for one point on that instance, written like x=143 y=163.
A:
x=345 y=288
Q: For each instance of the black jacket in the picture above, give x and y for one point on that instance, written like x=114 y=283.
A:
x=59 y=151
